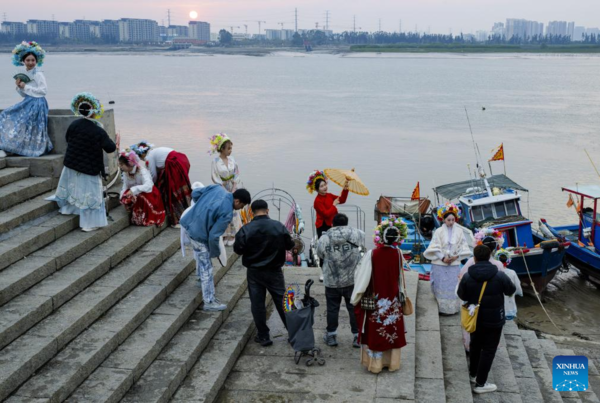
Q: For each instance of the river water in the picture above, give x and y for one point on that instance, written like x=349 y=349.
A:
x=397 y=119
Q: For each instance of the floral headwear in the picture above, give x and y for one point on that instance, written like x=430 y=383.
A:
x=24 y=48
x=312 y=180
x=448 y=208
x=503 y=253
x=381 y=231
x=488 y=232
x=141 y=148
x=85 y=98
x=217 y=141
x=132 y=158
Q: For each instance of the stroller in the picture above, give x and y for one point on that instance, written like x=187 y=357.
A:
x=300 y=319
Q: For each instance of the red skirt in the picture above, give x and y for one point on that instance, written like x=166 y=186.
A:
x=174 y=185
x=146 y=208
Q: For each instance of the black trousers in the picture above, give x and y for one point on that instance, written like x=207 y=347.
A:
x=322 y=229
x=484 y=343
x=259 y=282
x=334 y=300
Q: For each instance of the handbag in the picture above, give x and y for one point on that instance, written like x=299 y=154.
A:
x=369 y=300
x=468 y=321
x=407 y=305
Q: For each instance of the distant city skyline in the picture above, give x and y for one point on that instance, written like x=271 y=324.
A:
x=435 y=16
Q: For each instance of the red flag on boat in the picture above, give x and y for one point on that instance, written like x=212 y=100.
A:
x=570 y=202
x=498 y=153
x=416 y=194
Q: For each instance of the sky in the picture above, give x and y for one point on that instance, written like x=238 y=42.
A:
x=435 y=16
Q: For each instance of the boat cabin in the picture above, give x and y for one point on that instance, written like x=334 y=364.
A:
x=587 y=209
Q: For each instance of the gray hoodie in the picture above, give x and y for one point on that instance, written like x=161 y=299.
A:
x=339 y=248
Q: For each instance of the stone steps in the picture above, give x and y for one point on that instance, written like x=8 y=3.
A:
x=22 y=190
x=456 y=366
x=2 y=163
x=27 y=211
x=49 y=166
x=169 y=326
x=10 y=175
x=20 y=359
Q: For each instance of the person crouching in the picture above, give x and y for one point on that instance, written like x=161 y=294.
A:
x=263 y=243
x=339 y=249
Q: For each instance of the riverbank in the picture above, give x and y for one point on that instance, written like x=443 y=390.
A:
x=474 y=48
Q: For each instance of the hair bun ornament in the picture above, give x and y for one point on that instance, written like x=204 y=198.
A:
x=503 y=253
x=312 y=180
x=381 y=230
x=217 y=141
x=141 y=148
x=132 y=157
x=448 y=208
x=488 y=232
x=28 y=47
x=86 y=98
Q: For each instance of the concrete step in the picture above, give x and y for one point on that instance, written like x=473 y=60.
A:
x=27 y=211
x=80 y=358
x=10 y=175
x=49 y=166
x=131 y=360
x=542 y=371
x=21 y=190
x=26 y=273
x=2 y=163
x=429 y=370
x=550 y=351
x=20 y=359
x=456 y=368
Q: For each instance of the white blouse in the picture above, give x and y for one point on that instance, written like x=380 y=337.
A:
x=139 y=182
x=156 y=159
x=225 y=174
x=37 y=87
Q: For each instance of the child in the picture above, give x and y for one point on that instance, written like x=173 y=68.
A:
x=139 y=195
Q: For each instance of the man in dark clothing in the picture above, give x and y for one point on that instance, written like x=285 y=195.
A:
x=490 y=319
x=262 y=244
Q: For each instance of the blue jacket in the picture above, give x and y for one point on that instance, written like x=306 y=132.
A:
x=209 y=217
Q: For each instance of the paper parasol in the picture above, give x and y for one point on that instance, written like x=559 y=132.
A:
x=355 y=185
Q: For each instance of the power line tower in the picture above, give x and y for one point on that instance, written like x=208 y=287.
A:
x=380 y=25
x=296 y=20
x=400 y=27
x=232 y=29
x=327 y=19
x=281 y=23
x=354 y=24
x=4 y=17
x=317 y=25
x=169 y=16
x=246 y=26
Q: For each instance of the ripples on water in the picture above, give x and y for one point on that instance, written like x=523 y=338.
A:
x=397 y=119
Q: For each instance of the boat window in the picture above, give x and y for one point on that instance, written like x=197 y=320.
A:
x=500 y=210
x=487 y=211
x=477 y=213
x=511 y=207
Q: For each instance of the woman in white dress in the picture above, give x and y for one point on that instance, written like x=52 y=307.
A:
x=225 y=172
x=447 y=248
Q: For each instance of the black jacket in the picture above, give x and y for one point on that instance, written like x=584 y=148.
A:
x=491 y=310
x=85 y=142
x=262 y=243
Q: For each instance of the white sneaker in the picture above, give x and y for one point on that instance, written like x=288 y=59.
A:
x=473 y=379
x=176 y=226
x=2 y=154
x=214 y=306
x=89 y=229
x=487 y=388
x=321 y=278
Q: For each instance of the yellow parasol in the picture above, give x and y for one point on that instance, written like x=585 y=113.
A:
x=340 y=176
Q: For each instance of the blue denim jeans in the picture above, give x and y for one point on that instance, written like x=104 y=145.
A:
x=204 y=271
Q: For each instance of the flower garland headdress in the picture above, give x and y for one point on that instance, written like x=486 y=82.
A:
x=141 y=148
x=28 y=47
x=503 y=253
x=381 y=231
x=312 y=179
x=488 y=232
x=217 y=141
x=448 y=208
x=132 y=158
x=86 y=98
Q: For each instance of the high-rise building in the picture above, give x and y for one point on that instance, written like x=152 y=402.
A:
x=571 y=29
x=14 y=28
x=65 y=30
x=279 y=34
x=592 y=31
x=109 y=31
x=138 y=30
x=84 y=30
x=558 y=28
x=498 y=29
x=42 y=28
x=199 y=30
x=578 y=33
x=519 y=28
x=174 y=31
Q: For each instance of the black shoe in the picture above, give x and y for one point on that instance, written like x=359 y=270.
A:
x=263 y=342
x=330 y=340
x=355 y=342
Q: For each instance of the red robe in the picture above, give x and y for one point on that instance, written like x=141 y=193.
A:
x=384 y=328
x=325 y=209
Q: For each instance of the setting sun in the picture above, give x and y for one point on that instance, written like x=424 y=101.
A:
x=193 y=15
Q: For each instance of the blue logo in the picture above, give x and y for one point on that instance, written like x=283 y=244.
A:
x=570 y=373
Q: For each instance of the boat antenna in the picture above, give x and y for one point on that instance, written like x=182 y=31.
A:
x=475 y=146
x=594 y=165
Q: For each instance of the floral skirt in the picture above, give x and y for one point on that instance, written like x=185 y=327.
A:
x=81 y=194
x=174 y=185
x=375 y=361
x=146 y=208
x=24 y=128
